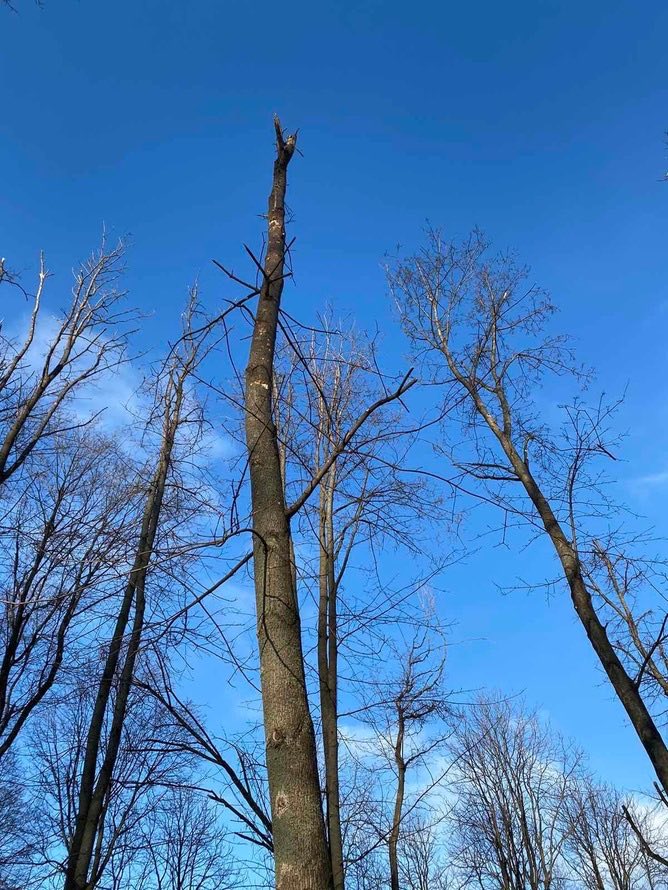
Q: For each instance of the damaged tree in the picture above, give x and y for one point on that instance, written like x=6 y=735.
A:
x=301 y=858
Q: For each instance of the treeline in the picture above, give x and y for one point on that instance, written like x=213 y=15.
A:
x=341 y=491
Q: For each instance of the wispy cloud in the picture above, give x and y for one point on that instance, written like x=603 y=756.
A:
x=651 y=480
x=216 y=446
x=114 y=393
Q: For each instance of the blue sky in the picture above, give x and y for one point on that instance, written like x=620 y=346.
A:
x=542 y=122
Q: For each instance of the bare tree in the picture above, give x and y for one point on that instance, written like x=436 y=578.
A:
x=482 y=334
x=19 y=836
x=43 y=372
x=322 y=386
x=61 y=541
x=300 y=842
x=144 y=772
x=405 y=713
x=418 y=700
x=186 y=847
x=601 y=848
x=63 y=499
x=512 y=781
x=422 y=861
x=630 y=589
x=364 y=822
x=174 y=413
x=239 y=772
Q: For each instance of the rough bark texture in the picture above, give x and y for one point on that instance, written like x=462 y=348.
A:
x=301 y=857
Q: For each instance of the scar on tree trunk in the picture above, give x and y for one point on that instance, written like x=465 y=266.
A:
x=301 y=856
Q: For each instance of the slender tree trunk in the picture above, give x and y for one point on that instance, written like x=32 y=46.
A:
x=623 y=685
x=95 y=783
x=16 y=620
x=393 y=842
x=626 y=690
x=93 y=786
x=598 y=878
x=328 y=677
x=301 y=858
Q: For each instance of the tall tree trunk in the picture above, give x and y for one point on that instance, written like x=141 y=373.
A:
x=301 y=858
x=393 y=842
x=96 y=777
x=328 y=676
x=626 y=690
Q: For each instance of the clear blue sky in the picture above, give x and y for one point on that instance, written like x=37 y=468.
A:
x=540 y=121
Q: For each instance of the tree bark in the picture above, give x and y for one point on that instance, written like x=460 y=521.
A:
x=393 y=842
x=301 y=859
x=328 y=677
x=96 y=782
x=624 y=687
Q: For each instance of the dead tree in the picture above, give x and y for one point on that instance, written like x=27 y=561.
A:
x=300 y=841
x=300 y=844
x=481 y=333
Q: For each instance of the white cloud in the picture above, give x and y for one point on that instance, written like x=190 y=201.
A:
x=114 y=392
x=652 y=479
x=217 y=446
x=644 y=488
